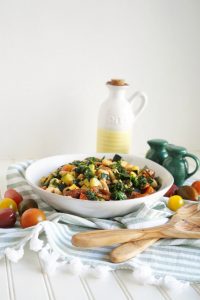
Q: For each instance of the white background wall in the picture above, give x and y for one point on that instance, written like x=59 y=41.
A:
x=56 y=55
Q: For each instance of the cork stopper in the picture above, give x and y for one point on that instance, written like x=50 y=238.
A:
x=117 y=82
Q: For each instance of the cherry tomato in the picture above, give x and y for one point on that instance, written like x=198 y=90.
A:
x=171 y=191
x=8 y=203
x=7 y=218
x=196 y=186
x=14 y=195
x=175 y=202
x=26 y=204
x=31 y=217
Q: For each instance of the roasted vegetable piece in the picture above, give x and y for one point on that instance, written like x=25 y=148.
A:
x=117 y=157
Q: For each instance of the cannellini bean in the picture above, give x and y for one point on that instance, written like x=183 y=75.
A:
x=54 y=190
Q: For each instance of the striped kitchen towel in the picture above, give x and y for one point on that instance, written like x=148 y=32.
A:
x=179 y=258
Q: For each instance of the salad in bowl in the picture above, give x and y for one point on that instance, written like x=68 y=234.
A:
x=101 y=179
x=99 y=185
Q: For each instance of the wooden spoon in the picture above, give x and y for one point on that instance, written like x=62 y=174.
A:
x=177 y=227
x=131 y=249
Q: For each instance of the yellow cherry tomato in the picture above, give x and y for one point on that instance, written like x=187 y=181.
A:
x=175 y=202
x=8 y=203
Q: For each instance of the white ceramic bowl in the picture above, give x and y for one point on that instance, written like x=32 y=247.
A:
x=88 y=208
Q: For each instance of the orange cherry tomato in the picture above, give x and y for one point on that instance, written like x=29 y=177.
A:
x=196 y=186
x=31 y=217
x=8 y=203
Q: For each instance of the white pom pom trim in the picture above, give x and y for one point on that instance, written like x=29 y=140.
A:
x=101 y=272
x=50 y=259
x=13 y=254
x=75 y=266
x=171 y=283
x=35 y=243
x=144 y=275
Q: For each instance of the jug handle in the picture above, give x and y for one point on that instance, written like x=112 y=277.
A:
x=195 y=158
x=143 y=102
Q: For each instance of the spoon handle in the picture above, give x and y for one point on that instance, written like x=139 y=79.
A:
x=130 y=249
x=99 y=238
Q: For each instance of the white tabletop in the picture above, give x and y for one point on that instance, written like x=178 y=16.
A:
x=26 y=279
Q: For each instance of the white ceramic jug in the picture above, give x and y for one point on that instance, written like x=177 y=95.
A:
x=116 y=116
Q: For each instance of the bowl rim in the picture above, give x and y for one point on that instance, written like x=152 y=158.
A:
x=35 y=186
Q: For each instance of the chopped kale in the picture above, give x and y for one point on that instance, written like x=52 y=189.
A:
x=117 y=165
x=85 y=169
x=116 y=187
x=92 y=160
x=139 y=182
x=124 y=176
x=76 y=181
x=62 y=186
x=75 y=162
x=128 y=191
x=122 y=172
x=88 y=173
x=135 y=182
x=118 y=195
x=80 y=169
x=142 y=181
x=150 y=180
x=91 y=195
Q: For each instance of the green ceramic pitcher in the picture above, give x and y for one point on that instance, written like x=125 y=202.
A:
x=157 y=151
x=177 y=164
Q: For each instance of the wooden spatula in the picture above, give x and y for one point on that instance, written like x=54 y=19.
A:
x=177 y=227
x=131 y=249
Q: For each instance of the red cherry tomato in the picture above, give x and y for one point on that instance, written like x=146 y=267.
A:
x=31 y=217
x=14 y=195
x=7 y=218
x=8 y=203
x=171 y=191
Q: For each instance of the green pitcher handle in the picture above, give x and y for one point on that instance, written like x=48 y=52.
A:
x=197 y=161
